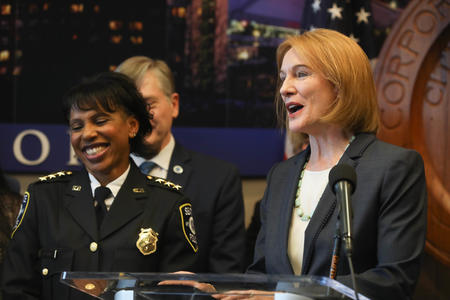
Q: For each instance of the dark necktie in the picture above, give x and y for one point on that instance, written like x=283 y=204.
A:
x=101 y=193
x=147 y=166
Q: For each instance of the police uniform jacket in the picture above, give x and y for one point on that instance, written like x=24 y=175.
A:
x=389 y=220
x=57 y=232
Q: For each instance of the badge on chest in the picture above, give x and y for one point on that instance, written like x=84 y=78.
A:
x=147 y=240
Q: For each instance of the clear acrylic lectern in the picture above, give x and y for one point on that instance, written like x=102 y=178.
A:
x=140 y=286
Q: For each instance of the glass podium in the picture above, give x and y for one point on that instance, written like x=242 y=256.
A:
x=145 y=286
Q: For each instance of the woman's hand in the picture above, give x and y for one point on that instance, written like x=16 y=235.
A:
x=228 y=295
x=202 y=286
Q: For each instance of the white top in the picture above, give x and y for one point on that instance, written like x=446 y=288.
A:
x=311 y=189
x=162 y=160
x=114 y=186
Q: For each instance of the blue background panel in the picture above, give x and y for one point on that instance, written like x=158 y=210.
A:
x=37 y=148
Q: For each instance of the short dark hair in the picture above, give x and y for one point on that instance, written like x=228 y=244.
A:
x=110 y=91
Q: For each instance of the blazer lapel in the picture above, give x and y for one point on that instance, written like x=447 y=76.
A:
x=288 y=205
x=327 y=203
x=79 y=202
x=319 y=219
x=128 y=202
x=179 y=167
x=357 y=148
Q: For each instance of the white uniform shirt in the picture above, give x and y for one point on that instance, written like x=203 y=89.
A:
x=114 y=186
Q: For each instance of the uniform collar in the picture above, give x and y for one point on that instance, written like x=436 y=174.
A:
x=114 y=185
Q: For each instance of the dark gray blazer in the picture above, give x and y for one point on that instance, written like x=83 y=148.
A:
x=389 y=223
x=215 y=190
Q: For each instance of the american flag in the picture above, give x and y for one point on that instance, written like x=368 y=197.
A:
x=352 y=18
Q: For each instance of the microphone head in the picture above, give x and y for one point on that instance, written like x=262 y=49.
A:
x=342 y=172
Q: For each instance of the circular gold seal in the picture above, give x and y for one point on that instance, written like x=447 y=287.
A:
x=89 y=286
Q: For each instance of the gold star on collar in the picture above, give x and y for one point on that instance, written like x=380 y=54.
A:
x=168 y=183
x=54 y=175
x=164 y=182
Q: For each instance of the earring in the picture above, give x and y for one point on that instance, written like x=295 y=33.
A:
x=133 y=134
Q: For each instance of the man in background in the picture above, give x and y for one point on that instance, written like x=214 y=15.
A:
x=213 y=186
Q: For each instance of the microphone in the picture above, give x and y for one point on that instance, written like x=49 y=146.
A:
x=342 y=181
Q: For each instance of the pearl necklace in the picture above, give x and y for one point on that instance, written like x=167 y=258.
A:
x=298 y=205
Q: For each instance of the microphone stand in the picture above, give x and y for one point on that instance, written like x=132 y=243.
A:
x=335 y=256
x=342 y=181
x=336 y=251
x=345 y=216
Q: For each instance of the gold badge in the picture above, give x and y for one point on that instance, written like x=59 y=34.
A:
x=147 y=240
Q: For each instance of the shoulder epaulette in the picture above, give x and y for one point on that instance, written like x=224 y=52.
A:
x=51 y=177
x=164 y=183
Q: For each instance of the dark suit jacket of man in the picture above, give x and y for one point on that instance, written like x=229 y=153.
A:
x=215 y=190
x=389 y=220
x=58 y=232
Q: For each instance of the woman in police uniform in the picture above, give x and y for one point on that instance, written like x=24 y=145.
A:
x=141 y=224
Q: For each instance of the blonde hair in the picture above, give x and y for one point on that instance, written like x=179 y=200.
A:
x=344 y=64
x=137 y=66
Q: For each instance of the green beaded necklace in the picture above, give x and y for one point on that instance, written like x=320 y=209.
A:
x=298 y=205
x=304 y=217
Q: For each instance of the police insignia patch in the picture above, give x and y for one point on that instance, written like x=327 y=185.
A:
x=187 y=220
x=22 y=211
